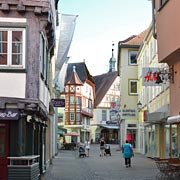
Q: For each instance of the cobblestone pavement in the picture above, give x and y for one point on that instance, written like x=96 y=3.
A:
x=68 y=166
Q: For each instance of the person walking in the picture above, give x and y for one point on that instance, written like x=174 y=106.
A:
x=102 y=144
x=127 y=151
x=87 y=147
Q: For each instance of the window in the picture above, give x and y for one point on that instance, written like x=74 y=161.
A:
x=78 y=100
x=78 y=117
x=71 y=99
x=132 y=57
x=44 y=61
x=104 y=115
x=12 y=47
x=72 y=116
x=1 y=45
x=133 y=86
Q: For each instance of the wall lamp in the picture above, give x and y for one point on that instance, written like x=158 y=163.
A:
x=165 y=74
x=139 y=106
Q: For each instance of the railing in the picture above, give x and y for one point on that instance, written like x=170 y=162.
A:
x=24 y=167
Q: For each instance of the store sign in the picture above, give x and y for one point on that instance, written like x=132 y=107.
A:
x=9 y=114
x=150 y=76
x=58 y=102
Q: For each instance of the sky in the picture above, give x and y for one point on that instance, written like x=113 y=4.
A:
x=99 y=24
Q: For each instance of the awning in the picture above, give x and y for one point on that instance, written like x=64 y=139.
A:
x=173 y=119
x=71 y=134
x=110 y=127
x=156 y=117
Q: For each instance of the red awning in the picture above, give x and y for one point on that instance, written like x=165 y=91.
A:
x=71 y=134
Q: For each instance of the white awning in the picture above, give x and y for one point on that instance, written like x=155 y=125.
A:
x=110 y=127
x=173 y=119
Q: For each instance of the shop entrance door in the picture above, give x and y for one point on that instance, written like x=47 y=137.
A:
x=4 y=144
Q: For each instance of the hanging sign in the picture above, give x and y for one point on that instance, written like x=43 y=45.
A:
x=58 y=102
x=151 y=76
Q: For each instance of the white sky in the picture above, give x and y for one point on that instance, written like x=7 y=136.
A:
x=101 y=22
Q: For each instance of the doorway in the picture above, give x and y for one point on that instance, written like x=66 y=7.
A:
x=4 y=149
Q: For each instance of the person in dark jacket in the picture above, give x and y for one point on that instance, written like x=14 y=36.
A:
x=127 y=151
x=102 y=146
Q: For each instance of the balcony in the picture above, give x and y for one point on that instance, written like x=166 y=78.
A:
x=87 y=111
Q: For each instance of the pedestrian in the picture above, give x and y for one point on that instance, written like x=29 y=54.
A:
x=102 y=146
x=87 y=147
x=127 y=151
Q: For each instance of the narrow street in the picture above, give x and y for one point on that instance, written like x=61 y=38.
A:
x=68 y=166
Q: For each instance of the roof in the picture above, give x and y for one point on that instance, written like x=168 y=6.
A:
x=102 y=84
x=74 y=78
x=81 y=71
x=135 y=40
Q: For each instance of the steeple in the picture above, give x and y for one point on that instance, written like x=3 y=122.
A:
x=74 y=79
x=112 y=60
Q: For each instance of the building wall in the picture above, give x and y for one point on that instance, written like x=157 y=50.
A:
x=14 y=85
x=127 y=73
x=153 y=99
x=168 y=31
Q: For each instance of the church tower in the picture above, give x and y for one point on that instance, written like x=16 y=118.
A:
x=112 y=61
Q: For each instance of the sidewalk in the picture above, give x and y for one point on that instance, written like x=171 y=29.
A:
x=68 y=166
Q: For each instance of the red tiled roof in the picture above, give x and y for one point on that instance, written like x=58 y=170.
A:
x=134 y=39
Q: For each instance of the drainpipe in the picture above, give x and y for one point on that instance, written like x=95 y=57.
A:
x=154 y=20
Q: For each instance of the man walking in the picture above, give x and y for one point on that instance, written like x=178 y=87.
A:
x=127 y=153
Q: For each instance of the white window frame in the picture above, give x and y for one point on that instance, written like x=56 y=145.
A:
x=129 y=54
x=9 y=48
x=132 y=93
x=104 y=115
x=72 y=116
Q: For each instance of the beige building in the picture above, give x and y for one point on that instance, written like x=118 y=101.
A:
x=128 y=71
x=154 y=98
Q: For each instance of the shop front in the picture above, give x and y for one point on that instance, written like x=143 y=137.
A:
x=156 y=135
x=174 y=133
x=110 y=133
x=22 y=132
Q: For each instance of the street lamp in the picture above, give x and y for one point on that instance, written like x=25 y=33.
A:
x=139 y=106
x=119 y=122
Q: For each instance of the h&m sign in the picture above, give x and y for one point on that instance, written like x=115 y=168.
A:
x=9 y=114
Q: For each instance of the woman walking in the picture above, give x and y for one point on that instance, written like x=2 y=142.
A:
x=127 y=151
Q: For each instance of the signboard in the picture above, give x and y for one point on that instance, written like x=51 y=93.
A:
x=58 y=102
x=9 y=114
x=150 y=76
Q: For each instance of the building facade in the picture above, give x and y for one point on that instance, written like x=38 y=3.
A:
x=166 y=30
x=128 y=72
x=154 y=98
x=105 y=122
x=79 y=96
x=27 y=34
